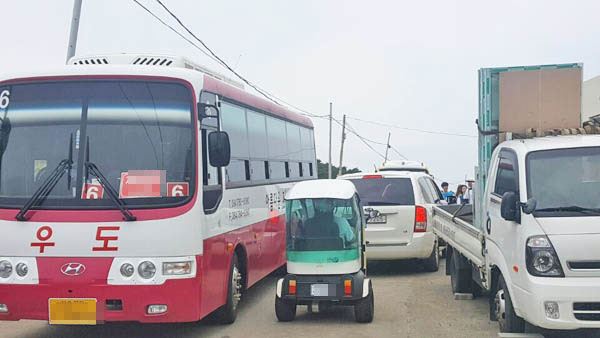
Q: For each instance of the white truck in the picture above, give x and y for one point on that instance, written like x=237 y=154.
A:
x=531 y=240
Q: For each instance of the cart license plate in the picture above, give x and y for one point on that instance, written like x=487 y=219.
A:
x=72 y=311
x=378 y=219
x=319 y=290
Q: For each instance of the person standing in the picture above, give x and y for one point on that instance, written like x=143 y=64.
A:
x=446 y=194
x=469 y=194
x=460 y=194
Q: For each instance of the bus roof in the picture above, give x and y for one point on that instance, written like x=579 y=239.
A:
x=163 y=66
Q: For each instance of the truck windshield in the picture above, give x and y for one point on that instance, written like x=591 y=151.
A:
x=138 y=133
x=385 y=191
x=565 y=182
x=323 y=225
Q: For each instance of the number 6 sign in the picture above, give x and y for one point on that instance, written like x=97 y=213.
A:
x=178 y=189
x=4 y=99
x=92 y=191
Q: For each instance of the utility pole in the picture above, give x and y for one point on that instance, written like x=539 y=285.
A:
x=342 y=146
x=387 y=148
x=330 y=125
x=74 y=29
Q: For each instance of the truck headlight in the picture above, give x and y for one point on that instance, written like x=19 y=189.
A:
x=177 y=268
x=5 y=269
x=542 y=260
x=146 y=270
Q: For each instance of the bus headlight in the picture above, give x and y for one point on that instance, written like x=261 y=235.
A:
x=146 y=270
x=177 y=268
x=5 y=269
x=127 y=270
x=22 y=269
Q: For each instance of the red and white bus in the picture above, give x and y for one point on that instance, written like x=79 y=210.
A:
x=123 y=199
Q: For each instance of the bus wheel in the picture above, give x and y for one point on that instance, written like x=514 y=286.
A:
x=460 y=277
x=364 y=309
x=505 y=313
x=285 y=311
x=228 y=312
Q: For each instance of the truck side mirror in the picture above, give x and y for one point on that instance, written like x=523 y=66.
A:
x=219 y=149
x=510 y=208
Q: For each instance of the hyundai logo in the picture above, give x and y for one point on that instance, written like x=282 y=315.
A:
x=72 y=269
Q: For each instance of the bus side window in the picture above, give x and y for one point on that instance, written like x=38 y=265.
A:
x=211 y=179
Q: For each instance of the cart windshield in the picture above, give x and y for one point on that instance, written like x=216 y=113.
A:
x=323 y=225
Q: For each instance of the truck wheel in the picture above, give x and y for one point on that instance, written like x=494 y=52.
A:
x=432 y=264
x=228 y=312
x=505 y=313
x=285 y=311
x=364 y=309
x=460 y=278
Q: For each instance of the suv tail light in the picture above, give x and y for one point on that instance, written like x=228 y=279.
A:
x=420 y=219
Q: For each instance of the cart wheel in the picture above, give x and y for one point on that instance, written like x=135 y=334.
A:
x=285 y=311
x=364 y=309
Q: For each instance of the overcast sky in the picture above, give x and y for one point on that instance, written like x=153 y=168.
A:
x=408 y=63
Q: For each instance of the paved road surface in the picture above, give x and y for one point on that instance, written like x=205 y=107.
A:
x=408 y=303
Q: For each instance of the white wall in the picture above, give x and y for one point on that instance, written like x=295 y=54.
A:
x=590 y=98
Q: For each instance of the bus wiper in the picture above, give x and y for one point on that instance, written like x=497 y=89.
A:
x=112 y=193
x=45 y=188
x=573 y=208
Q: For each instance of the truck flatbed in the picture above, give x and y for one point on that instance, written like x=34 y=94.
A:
x=454 y=224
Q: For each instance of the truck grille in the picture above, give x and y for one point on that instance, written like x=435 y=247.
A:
x=587 y=311
x=584 y=265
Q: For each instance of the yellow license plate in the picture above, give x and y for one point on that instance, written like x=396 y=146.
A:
x=72 y=311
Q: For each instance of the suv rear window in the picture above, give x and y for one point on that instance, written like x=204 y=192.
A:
x=385 y=191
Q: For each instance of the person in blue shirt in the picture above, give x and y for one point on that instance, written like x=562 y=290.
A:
x=446 y=194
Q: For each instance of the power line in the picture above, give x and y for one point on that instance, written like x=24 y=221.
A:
x=213 y=56
x=363 y=139
x=411 y=129
x=174 y=30
x=397 y=152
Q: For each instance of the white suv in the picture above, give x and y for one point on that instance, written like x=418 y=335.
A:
x=404 y=201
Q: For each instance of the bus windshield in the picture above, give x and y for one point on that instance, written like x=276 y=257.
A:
x=322 y=224
x=139 y=134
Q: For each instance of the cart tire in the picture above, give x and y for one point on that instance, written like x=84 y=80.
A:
x=227 y=313
x=460 y=278
x=508 y=321
x=285 y=311
x=432 y=264
x=364 y=309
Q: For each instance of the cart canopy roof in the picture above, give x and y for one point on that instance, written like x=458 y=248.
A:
x=340 y=189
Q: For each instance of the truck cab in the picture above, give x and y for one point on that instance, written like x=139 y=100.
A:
x=541 y=231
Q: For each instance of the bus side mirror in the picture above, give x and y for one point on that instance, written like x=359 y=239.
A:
x=510 y=209
x=207 y=110
x=219 y=149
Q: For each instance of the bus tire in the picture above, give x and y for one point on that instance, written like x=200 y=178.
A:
x=227 y=313
x=432 y=263
x=285 y=311
x=508 y=321
x=460 y=277
x=364 y=309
